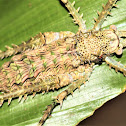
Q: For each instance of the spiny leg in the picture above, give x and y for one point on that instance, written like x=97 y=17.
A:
x=35 y=42
x=77 y=17
x=22 y=47
x=102 y=16
x=82 y=77
x=122 y=33
x=122 y=38
x=117 y=65
x=123 y=42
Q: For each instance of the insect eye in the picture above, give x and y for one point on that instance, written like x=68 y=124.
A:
x=113 y=27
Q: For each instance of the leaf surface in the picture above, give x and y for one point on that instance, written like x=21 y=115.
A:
x=19 y=20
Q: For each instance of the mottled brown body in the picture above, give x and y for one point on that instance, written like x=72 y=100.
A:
x=95 y=44
x=52 y=60
x=45 y=68
x=26 y=71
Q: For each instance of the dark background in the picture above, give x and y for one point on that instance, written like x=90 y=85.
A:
x=112 y=113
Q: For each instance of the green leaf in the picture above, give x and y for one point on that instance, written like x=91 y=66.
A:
x=19 y=20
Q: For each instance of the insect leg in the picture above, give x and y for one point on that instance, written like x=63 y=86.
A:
x=122 y=33
x=77 y=18
x=123 y=42
x=82 y=77
x=122 y=38
x=22 y=47
x=35 y=42
x=117 y=65
x=102 y=16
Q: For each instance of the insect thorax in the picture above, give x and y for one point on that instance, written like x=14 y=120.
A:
x=94 y=44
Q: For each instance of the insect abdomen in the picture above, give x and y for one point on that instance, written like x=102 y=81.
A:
x=37 y=70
